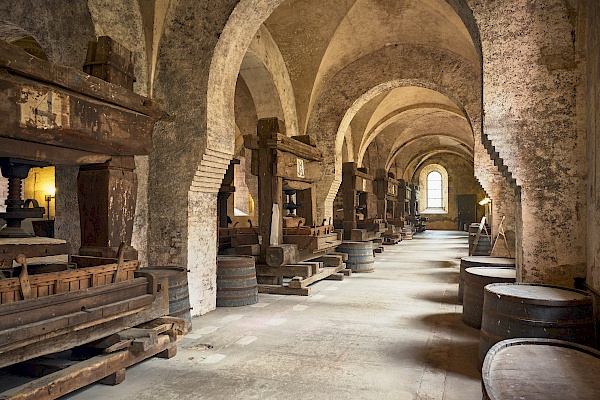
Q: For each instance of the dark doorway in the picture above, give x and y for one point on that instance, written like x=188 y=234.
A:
x=467 y=210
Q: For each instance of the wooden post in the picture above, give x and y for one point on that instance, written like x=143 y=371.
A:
x=107 y=194
x=270 y=187
x=349 y=198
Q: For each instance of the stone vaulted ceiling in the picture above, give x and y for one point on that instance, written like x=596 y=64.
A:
x=321 y=40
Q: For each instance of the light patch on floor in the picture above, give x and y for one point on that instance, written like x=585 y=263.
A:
x=233 y=317
x=299 y=307
x=246 y=340
x=332 y=288
x=259 y=305
x=277 y=321
x=316 y=297
x=213 y=359
x=206 y=330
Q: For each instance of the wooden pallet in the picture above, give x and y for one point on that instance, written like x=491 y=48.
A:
x=302 y=275
x=58 y=376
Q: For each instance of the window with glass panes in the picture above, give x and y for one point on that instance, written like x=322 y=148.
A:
x=434 y=190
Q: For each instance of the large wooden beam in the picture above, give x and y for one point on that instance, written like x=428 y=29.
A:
x=59 y=106
x=18 y=62
x=83 y=373
x=270 y=187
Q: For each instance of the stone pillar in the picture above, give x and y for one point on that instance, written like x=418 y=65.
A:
x=533 y=116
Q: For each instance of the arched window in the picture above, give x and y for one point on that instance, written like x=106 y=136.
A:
x=433 y=182
x=434 y=190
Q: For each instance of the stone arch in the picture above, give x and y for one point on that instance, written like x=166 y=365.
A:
x=62 y=42
x=420 y=159
x=340 y=102
x=266 y=74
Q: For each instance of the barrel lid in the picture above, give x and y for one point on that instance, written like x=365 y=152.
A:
x=540 y=293
x=573 y=370
x=487 y=260
x=505 y=272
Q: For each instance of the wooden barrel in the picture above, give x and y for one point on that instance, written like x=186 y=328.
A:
x=480 y=261
x=360 y=256
x=512 y=310
x=541 y=369
x=179 y=295
x=476 y=278
x=236 y=281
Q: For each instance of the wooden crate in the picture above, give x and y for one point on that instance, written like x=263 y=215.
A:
x=64 y=281
x=111 y=62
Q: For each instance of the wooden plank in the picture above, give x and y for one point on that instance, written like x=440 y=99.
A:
x=331 y=260
x=47 y=153
x=343 y=255
x=335 y=277
x=287 y=271
x=67 y=303
x=17 y=61
x=82 y=374
x=306 y=139
x=286 y=167
x=73 y=336
x=315 y=266
x=295 y=283
x=10 y=248
x=51 y=327
x=118 y=346
x=281 y=142
x=51 y=115
x=286 y=290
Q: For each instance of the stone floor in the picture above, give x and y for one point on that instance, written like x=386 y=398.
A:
x=392 y=334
